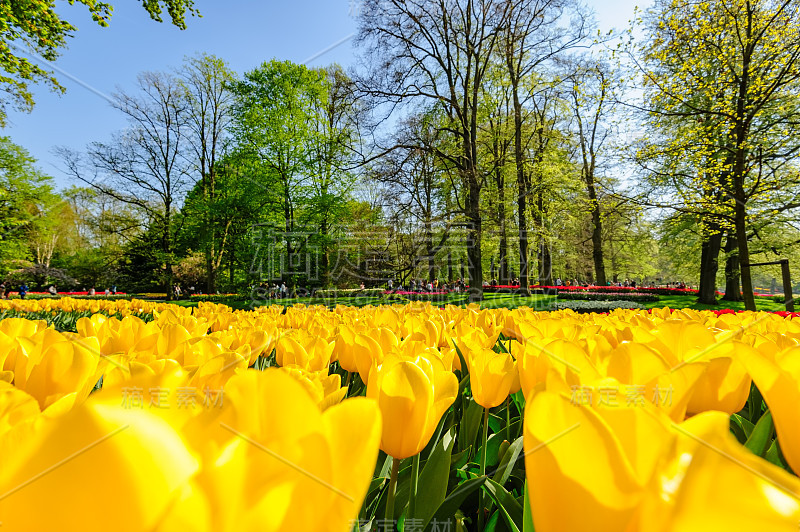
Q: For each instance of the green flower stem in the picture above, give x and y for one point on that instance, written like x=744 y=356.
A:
x=508 y=418
x=412 y=501
x=389 y=523
x=347 y=382
x=483 y=463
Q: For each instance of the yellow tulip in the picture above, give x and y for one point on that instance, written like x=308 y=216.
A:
x=491 y=375
x=343 y=349
x=368 y=354
x=708 y=481
x=631 y=468
x=725 y=383
x=573 y=452
x=51 y=365
x=14 y=327
x=315 y=355
x=123 y=467
x=326 y=390
x=412 y=396
x=16 y=407
x=286 y=467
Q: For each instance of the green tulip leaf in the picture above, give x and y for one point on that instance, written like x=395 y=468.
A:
x=509 y=508
x=464 y=368
x=519 y=400
x=527 y=516
x=741 y=428
x=470 y=424
x=775 y=456
x=492 y=448
x=491 y=525
x=433 y=479
x=761 y=437
x=509 y=461
x=495 y=423
x=447 y=510
x=460 y=459
x=755 y=404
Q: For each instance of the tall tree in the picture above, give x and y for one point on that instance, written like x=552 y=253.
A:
x=338 y=120
x=533 y=36
x=753 y=46
x=497 y=139
x=274 y=118
x=146 y=165
x=592 y=102
x=206 y=80
x=26 y=195
x=415 y=190
x=438 y=51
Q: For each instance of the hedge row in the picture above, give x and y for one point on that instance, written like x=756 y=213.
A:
x=592 y=296
x=353 y=292
x=585 y=307
x=661 y=291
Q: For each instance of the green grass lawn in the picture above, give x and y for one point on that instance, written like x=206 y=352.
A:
x=505 y=301
x=762 y=303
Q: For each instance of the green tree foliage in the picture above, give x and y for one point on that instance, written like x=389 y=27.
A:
x=295 y=130
x=722 y=80
x=34 y=27
x=26 y=202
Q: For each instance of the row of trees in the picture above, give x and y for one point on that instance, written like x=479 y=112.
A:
x=480 y=139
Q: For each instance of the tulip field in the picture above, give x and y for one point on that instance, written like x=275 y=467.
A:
x=144 y=416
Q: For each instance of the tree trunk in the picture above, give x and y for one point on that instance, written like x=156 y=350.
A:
x=474 y=255
x=545 y=258
x=474 y=258
x=732 y=289
x=211 y=228
x=545 y=265
x=503 y=277
x=449 y=267
x=429 y=251
x=522 y=196
x=211 y=274
x=500 y=181
x=597 y=234
x=231 y=263
x=168 y=253
x=740 y=220
x=740 y=135
x=289 y=228
x=324 y=266
x=709 y=264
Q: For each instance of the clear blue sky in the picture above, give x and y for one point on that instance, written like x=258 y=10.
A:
x=243 y=32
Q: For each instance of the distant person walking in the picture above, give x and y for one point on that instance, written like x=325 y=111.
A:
x=2 y=290
x=23 y=290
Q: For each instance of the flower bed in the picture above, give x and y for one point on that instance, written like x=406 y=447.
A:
x=597 y=306
x=608 y=296
x=348 y=292
x=312 y=418
x=662 y=291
